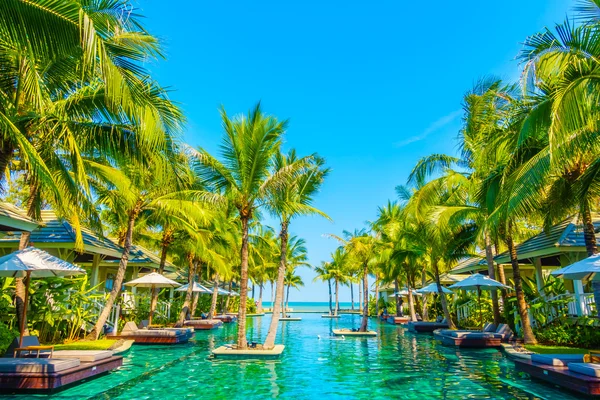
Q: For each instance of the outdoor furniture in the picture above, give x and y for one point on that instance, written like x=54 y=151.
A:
x=203 y=324
x=557 y=360
x=576 y=376
x=426 y=327
x=47 y=374
x=35 y=349
x=490 y=336
x=155 y=336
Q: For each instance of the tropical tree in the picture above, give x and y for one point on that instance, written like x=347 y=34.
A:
x=291 y=280
x=291 y=199
x=245 y=179
x=323 y=274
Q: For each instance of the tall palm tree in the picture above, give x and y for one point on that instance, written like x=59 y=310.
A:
x=292 y=199
x=291 y=280
x=323 y=274
x=131 y=192
x=339 y=259
x=245 y=178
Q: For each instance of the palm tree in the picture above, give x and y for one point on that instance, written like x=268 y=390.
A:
x=291 y=280
x=131 y=192
x=324 y=274
x=245 y=178
x=292 y=199
x=339 y=259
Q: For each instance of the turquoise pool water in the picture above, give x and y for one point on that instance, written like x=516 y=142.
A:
x=396 y=364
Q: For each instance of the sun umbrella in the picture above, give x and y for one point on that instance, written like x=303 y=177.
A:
x=586 y=269
x=404 y=292
x=432 y=288
x=34 y=263
x=196 y=288
x=152 y=280
x=478 y=282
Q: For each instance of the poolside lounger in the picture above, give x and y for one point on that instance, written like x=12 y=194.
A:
x=426 y=327
x=83 y=355
x=576 y=376
x=30 y=348
x=488 y=337
x=47 y=374
x=203 y=324
x=392 y=319
x=557 y=360
x=155 y=336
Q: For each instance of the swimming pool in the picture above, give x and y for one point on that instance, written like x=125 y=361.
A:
x=396 y=364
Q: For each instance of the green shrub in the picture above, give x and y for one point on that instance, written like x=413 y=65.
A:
x=6 y=337
x=563 y=332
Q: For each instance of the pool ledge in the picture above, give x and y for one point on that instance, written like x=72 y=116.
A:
x=513 y=354
x=227 y=353
x=348 y=332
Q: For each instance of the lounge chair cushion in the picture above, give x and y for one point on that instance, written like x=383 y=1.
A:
x=83 y=355
x=155 y=332
x=130 y=327
x=588 y=369
x=488 y=327
x=557 y=360
x=505 y=331
x=36 y=365
x=472 y=335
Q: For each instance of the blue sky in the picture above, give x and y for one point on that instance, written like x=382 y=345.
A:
x=370 y=86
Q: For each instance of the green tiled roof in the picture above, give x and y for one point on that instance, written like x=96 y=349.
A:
x=470 y=264
x=58 y=233
x=13 y=218
x=566 y=235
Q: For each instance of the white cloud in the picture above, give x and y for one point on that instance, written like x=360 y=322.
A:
x=436 y=125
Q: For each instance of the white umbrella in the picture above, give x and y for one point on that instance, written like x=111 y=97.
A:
x=404 y=292
x=586 y=269
x=196 y=288
x=152 y=280
x=432 y=288
x=34 y=263
x=478 y=282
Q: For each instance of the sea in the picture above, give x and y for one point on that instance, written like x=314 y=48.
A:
x=309 y=306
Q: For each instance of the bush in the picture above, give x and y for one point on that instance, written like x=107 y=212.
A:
x=563 y=332
x=6 y=338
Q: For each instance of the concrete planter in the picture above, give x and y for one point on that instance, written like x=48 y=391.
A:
x=229 y=353
x=348 y=332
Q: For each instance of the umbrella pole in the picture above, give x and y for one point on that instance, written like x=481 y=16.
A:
x=479 y=301
x=152 y=289
x=22 y=327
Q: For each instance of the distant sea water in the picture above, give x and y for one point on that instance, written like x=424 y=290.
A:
x=321 y=306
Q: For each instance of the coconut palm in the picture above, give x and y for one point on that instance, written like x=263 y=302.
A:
x=291 y=199
x=323 y=274
x=291 y=280
x=338 y=265
x=132 y=192
x=245 y=178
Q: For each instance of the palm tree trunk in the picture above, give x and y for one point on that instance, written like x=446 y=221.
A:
x=165 y=243
x=330 y=298
x=365 y=317
x=215 y=296
x=272 y=297
x=186 y=309
x=118 y=282
x=337 y=297
x=376 y=296
x=253 y=289
x=589 y=235
x=489 y=256
x=360 y=298
x=196 y=297
x=396 y=290
x=259 y=307
x=242 y=341
x=411 y=304
x=352 y=295
x=287 y=301
x=528 y=336
x=272 y=332
x=436 y=271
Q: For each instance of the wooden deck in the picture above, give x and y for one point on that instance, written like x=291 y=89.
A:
x=561 y=376
x=24 y=382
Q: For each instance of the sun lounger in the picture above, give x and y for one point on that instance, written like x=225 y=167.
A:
x=557 y=360
x=203 y=324
x=426 y=327
x=154 y=336
x=572 y=375
x=488 y=337
x=46 y=374
x=29 y=348
x=83 y=355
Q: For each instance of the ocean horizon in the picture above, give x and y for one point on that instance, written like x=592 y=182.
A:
x=300 y=306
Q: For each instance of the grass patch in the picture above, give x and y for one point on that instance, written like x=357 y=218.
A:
x=103 y=344
x=556 y=349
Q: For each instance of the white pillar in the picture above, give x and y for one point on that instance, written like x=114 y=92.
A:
x=579 y=306
x=95 y=270
x=539 y=277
